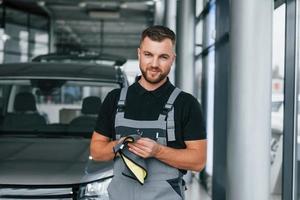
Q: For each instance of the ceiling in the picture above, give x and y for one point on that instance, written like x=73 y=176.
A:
x=107 y=26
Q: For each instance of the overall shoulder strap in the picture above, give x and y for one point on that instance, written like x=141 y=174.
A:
x=120 y=107
x=168 y=115
x=172 y=98
x=122 y=99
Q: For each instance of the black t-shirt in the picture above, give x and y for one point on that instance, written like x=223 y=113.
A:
x=148 y=105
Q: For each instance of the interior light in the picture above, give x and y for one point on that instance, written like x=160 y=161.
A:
x=41 y=3
x=3 y=36
x=124 y=5
x=150 y=3
x=82 y=4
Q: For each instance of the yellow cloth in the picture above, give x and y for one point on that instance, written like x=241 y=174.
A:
x=138 y=171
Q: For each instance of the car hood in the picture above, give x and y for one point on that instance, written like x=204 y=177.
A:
x=48 y=161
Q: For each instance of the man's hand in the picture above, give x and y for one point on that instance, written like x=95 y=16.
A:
x=145 y=147
x=193 y=157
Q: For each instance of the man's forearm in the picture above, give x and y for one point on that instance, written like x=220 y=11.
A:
x=188 y=159
x=102 y=150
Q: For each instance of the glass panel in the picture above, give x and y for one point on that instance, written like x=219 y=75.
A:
x=204 y=70
x=13 y=30
x=209 y=64
x=16 y=47
x=1 y=56
x=58 y=101
x=37 y=49
x=1 y=102
x=38 y=36
x=38 y=42
x=198 y=78
x=209 y=35
x=277 y=101
x=199 y=37
x=38 y=22
x=12 y=58
x=24 y=40
x=199 y=7
x=3 y=38
x=16 y=16
x=1 y=14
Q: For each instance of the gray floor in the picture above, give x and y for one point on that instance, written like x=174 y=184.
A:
x=275 y=197
x=195 y=191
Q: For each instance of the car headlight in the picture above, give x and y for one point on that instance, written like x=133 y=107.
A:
x=94 y=190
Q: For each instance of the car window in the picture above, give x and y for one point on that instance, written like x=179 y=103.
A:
x=51 y=106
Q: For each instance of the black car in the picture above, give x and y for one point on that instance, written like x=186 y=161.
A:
x=83 y=57
x=47 y=114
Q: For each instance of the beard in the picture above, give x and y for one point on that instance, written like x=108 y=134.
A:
x=146 y=73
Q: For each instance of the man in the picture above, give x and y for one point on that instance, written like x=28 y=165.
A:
x=151 y=102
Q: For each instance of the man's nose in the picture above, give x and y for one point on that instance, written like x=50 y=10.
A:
x=155 y=62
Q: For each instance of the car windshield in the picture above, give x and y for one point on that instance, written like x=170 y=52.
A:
x=50 y=107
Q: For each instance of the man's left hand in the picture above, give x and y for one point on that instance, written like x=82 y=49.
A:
x=145 y=147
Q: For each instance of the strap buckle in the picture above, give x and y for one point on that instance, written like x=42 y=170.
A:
x=121 y=106
x=167 y=109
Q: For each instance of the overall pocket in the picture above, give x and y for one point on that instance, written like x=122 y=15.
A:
x=160 y=190
x=177 y=185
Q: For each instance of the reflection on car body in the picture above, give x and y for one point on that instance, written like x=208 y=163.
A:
x=44 y=136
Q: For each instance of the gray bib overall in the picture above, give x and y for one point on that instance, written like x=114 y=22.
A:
x=163 y=181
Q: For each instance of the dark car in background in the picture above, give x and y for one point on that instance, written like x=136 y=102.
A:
x=47 y=114
x=82 y=57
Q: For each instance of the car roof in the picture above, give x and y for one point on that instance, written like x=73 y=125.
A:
x=82 y=57
x=62 y=70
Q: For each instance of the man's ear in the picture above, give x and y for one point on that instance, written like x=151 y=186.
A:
x=174 y=57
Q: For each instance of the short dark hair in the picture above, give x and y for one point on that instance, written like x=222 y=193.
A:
x=158 y=33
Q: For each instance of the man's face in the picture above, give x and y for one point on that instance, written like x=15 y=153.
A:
x=155 y=59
